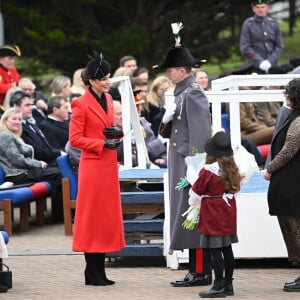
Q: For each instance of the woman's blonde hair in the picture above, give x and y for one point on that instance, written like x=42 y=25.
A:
x=152 y=96
x=121 y=71
x=58 y=83
x=9 y=112
x=78 y=86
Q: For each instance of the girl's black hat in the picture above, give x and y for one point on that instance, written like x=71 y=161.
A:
x=219 y=145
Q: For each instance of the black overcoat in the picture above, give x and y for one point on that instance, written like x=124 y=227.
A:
x=284 y=188
x=190 y=130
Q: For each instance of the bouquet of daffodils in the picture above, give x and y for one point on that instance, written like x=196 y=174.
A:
x=192 y=217
x=192 y=214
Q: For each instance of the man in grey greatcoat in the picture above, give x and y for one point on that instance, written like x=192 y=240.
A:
x=261 y=40
x=187 y=123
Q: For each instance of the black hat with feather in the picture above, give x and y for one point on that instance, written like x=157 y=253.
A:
x=178 y=55
x=97 y=67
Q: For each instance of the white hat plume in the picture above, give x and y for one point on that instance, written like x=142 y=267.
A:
x=176 y=27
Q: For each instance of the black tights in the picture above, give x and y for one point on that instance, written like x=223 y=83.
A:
x=221 y=262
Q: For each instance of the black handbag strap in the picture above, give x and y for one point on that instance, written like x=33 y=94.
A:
x=6 y=266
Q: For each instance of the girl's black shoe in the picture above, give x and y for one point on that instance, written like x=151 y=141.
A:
x=3 y=288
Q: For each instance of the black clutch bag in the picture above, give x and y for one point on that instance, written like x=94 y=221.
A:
x=6 y=277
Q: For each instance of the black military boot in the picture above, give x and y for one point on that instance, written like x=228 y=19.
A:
x=217 y=290
x=228 y=287
x=293 y=286
x=193 y=279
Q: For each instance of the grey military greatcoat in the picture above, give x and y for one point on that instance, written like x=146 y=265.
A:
x=261 y=39
x=191 y=128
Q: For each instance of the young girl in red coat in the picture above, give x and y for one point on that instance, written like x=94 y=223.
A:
x=214 y=191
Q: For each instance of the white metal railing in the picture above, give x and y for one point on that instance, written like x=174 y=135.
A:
x=131 y=123
x=223 y=90
x=227 y=90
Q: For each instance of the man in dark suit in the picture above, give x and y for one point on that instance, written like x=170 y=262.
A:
x=56 y=126
x=32 y=135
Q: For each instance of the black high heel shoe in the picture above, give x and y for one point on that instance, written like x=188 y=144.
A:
x=97 y=281
x=94 y=281
x=109 y=282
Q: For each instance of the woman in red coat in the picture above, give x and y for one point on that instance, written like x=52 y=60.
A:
x=98 y=226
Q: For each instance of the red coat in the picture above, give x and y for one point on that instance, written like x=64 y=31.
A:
x=98 y=223
x=8 y=79
x=217 y=218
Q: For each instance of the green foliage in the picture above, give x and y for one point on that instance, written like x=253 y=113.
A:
x=39 y=72
x=55 y=36
x=131 y=39
x=60 y=34
x=291 y=43
x=215 y=67
x=291 y=49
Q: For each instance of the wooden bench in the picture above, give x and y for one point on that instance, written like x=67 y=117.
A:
x=21 y=197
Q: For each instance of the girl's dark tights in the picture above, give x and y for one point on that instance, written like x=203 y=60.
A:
x=222 y=258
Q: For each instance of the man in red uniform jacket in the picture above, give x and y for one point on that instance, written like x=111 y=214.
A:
x=9 y=75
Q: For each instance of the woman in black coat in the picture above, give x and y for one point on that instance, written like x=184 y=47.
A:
x=283 y=171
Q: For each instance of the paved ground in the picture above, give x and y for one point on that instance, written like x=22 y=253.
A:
x=44 y=267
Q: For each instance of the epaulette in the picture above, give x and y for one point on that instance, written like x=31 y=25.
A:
x=195 y=85
x=251 y=19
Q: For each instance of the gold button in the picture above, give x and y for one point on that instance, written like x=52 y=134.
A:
x=174 y=144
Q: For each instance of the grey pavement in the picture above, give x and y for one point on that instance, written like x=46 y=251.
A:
x=44 y=267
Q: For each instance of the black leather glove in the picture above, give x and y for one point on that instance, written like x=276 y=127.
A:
x=112 y=144
x=113 y=132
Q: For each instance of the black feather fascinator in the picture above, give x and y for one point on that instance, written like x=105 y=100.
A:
x=98 y=67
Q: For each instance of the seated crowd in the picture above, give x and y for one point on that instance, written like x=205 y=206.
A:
x=34 y=130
